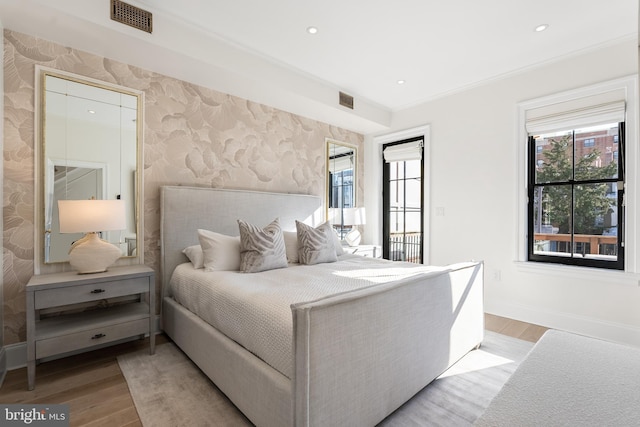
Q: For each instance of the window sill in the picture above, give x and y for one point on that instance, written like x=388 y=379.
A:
x=614 y=277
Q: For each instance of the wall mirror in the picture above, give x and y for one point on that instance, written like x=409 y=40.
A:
x=90 y=146
x=341 y=184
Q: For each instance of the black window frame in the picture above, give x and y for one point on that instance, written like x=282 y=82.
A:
x=531 y=187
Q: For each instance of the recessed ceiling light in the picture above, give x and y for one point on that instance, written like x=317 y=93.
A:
x=401 y=82
x=312 y=30
x=541 y=27
x=91 y=111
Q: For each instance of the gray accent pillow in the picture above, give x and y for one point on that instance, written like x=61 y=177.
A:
x=315 y=245
x=261 y=249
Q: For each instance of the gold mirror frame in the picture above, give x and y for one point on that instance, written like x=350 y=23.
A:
x=340 y=157
x=132 y=247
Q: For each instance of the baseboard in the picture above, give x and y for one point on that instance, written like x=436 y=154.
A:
x=16 y=354
x=3 y=365
x=596 y=328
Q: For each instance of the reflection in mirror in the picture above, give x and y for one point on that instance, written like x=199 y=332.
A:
x=89 y=151
x=74 y=183
x=341 y=185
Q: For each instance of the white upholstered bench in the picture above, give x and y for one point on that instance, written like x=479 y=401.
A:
x=570 y=380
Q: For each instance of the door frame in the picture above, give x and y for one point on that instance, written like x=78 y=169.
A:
x=425 y=132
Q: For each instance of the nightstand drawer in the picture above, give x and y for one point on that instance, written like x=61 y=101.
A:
x=92 y=292
x=80 y=340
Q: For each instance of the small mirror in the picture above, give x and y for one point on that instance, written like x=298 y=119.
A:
x=341 y=183
x=90 y=149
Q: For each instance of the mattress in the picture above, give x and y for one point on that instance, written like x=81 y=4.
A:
x=254 y=309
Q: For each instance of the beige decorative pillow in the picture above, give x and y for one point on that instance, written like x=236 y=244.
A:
x=221 y=252
x=261 y=249
x=315 y=245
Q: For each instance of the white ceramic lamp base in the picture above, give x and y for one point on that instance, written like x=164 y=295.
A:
x=353 y=237
x=91 y=254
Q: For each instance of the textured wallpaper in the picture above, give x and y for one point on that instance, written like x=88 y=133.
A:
x=192 y=136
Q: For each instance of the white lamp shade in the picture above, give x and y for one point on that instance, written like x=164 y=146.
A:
x=88 y=216
x=334 y=216
x=354 y=216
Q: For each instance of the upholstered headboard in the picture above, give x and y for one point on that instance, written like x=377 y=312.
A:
x=183 y=210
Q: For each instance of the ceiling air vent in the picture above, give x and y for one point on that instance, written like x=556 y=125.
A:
x=346 y=100
x=132 y=16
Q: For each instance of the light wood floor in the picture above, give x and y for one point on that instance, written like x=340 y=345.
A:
x=97 y=393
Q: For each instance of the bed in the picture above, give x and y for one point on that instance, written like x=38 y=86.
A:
x=354 y=355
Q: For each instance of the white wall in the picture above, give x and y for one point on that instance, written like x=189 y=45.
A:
x=473 y=172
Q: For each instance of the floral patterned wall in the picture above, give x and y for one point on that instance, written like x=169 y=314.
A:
x=192 y=136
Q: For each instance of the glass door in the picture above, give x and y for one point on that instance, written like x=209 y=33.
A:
x=403 y=201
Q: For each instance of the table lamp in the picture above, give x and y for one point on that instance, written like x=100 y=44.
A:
x=354 y=217
x=91 y=254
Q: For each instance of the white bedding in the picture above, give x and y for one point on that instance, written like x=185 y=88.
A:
x=253 y=309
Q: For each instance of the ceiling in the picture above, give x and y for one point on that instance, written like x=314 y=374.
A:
x=362 y=47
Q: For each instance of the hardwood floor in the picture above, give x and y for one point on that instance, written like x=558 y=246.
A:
x=91 y=383
x=513 y=328
x=97 y=393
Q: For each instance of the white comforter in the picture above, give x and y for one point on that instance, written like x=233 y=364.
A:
x=253 y=309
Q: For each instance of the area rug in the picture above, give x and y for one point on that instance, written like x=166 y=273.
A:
x=570 y=380
x=169 y=390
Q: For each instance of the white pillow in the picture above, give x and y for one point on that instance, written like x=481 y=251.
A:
x=195 y=255
x=337 y=243
x=315 y=245
x=221 y=252
x=291 y=245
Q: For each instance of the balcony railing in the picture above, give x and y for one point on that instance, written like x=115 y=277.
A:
x=596 y=243
x=405 y=247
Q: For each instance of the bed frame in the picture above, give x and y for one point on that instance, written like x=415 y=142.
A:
x=358 y=356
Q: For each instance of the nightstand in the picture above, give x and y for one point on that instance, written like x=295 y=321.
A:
x=373 y=251
x=69 y=312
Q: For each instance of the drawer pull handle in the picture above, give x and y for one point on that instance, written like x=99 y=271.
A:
x=97 y=291
x=98 y=336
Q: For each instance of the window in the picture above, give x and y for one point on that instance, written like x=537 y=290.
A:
x=611 y=103
x=576 y=199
